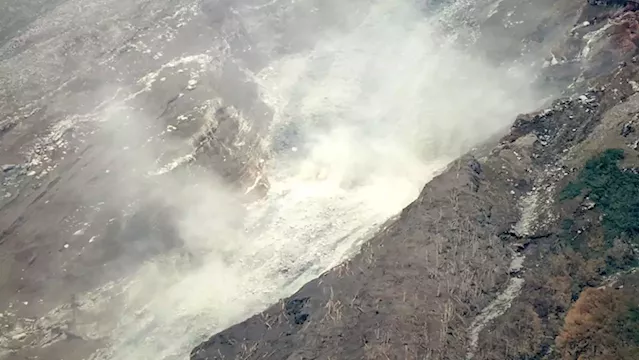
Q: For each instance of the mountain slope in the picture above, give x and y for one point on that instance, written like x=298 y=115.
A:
x=470 y=254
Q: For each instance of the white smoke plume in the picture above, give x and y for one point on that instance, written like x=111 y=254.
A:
x=370 y=102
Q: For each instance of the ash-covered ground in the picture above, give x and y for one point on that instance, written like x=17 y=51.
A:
x=171 y=168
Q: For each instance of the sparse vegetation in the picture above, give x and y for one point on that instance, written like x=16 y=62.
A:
x=588 y=327
x=523 y=320
x=563 y=314
x=602 y=324
x=628 y=322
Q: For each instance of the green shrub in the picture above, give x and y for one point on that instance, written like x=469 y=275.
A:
x=627 y=323
x=614 y=191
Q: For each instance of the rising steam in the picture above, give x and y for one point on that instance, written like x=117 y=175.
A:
x=368 y=107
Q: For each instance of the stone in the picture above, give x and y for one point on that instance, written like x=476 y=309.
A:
x=192 y=84
x=475 y=166
x=8 y=167
x=627 y=129
x=588 y=204
x=19 y=336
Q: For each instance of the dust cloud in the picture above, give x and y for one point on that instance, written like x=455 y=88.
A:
x=365 y=114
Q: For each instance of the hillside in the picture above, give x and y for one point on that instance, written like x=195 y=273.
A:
x=318 y=179
x=504 y=251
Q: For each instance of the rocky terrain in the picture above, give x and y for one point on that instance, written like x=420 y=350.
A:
x=171 y=170
x=522 y=249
